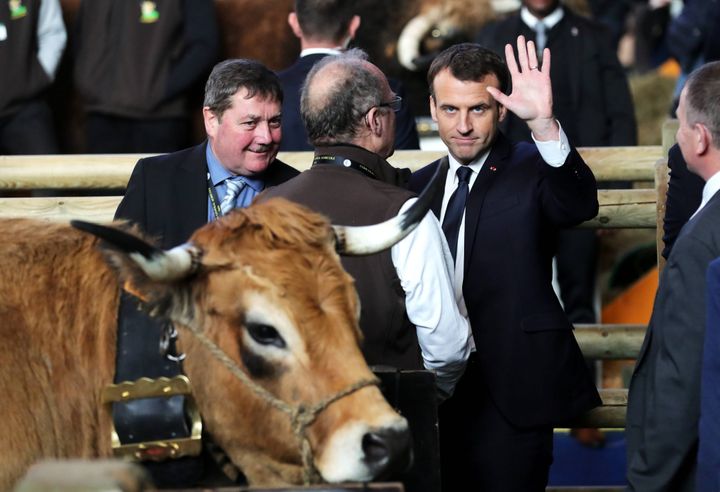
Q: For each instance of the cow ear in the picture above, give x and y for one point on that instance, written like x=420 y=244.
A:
x=139 y=261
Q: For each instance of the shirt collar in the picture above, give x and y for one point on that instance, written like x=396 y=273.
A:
x=320 y=51
x=218 y=172
x=475 y=165
x=711 y=187
x=549 y=21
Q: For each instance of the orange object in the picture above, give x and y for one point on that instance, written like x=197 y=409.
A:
x=636 y=303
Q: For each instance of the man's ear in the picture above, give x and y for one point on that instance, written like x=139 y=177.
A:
x=375 y=121
x=211 y=121
x=354 y=25
x=502 y=112
x=703 y=138
x=433 y=108
x=295 y=25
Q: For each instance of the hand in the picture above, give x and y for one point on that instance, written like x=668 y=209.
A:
x=531 y=97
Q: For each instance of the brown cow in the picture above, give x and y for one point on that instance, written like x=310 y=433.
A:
x=264 y=284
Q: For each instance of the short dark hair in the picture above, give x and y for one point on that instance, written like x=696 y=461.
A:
x=337 y=114
x=702 y=97
x=469 y=62
x=325 y=19
x=229 y=76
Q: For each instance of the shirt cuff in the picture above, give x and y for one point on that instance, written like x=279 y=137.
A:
x=554 y=152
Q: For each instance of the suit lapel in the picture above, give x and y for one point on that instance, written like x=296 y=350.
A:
x=436 y=205
x=190 y=193
x=494 y=165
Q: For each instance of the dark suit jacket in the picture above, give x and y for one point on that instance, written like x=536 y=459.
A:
x=167 y=195
x=664 y=398
x=528 y=355
x=591 y=98
x=294 y=134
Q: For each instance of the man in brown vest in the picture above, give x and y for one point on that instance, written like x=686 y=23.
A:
x=409 y=316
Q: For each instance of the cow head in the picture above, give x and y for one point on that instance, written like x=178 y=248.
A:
x=265 y=285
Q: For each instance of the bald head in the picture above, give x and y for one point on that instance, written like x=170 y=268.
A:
x=338 y=93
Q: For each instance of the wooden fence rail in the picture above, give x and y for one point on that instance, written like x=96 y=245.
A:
x=108 y=174
x=113 y=171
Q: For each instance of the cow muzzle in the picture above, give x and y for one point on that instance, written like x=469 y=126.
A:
x=358 y=452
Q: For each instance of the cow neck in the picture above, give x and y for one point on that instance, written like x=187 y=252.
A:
x=360 y=160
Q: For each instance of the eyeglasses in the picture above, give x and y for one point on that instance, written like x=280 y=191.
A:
x=395 y=103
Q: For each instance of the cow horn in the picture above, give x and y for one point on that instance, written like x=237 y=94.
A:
x=408 y=44
x=159 y=265
x=366 y=240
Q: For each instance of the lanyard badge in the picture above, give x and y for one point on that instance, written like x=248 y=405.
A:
x=149 y=12
x=17 y=10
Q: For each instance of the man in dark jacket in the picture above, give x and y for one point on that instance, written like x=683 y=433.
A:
x=32 y=40
x=325 y=28
x=135 y=65
x=502 y=208
x=169 y=197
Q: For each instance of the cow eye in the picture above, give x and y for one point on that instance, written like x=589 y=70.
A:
x=265 y=334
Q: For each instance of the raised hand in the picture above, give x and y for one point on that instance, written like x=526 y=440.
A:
x=531 y=97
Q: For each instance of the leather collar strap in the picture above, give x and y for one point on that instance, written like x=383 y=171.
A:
x=339 y=160
x=150 y=419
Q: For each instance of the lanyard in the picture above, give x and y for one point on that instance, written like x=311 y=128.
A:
x=345 y=162
x=213 y=198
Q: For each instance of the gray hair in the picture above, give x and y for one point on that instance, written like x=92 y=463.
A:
x=229 y=76
x=702 y=96
x=337 y=114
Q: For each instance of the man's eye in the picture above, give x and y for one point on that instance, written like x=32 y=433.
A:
x=248 y=124
x=275 y=123
x=479 y=109
x=449 y=110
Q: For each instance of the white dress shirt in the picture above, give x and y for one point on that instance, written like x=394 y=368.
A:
x=51 y=36
x=711 y=187
x=424 y=266
x=553 y=152
x=549 y=20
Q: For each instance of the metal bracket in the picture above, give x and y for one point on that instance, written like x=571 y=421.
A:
x=154 y=388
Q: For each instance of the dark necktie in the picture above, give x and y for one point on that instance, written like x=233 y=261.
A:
x=455 y=209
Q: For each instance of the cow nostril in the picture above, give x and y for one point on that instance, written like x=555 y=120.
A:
x=387 y=451
x=375 y=448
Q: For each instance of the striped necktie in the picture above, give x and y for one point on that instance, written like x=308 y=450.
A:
x=234 y=187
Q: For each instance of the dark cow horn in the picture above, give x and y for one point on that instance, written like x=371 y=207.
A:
x=159 y=265
x=366 y=240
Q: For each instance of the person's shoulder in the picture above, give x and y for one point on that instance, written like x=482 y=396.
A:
x=279 y=172
x=503 y=27
x=299 y=69
x=585 y=24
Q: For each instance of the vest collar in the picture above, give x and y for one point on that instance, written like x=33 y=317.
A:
x=377 y=167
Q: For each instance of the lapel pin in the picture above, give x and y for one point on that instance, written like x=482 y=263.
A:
x=493 y=168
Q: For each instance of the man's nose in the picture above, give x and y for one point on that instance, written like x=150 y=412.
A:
x=263 y=132
x=464 y=124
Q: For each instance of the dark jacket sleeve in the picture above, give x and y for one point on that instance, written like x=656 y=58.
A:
x=568 y=193
x=684 y=194
x=201 y=47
